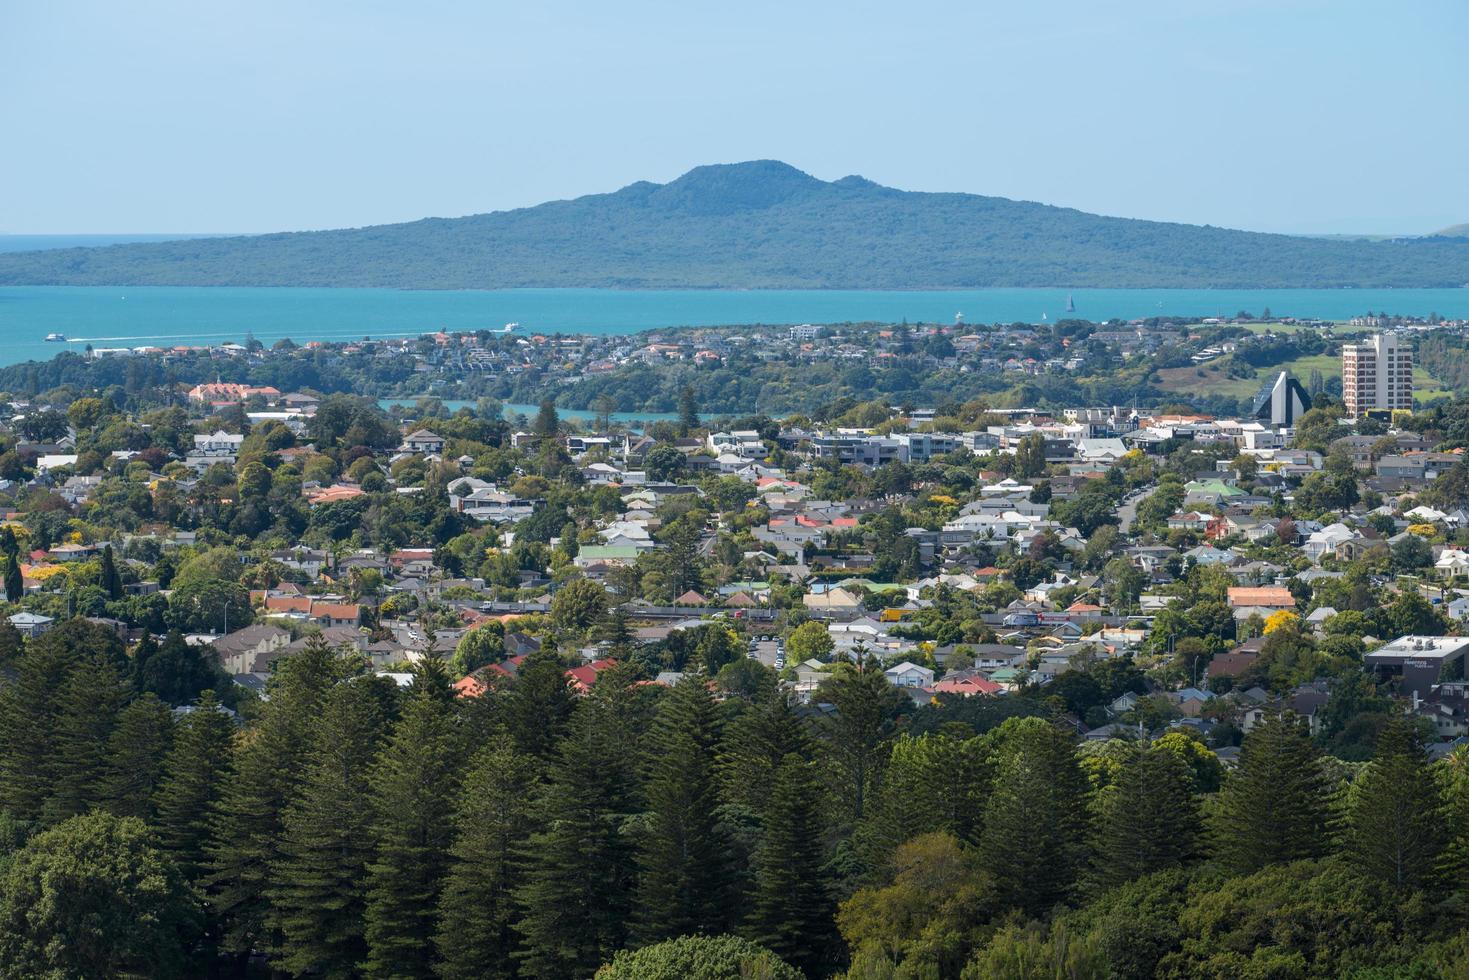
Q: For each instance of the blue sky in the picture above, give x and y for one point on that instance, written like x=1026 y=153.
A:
x=258 y=115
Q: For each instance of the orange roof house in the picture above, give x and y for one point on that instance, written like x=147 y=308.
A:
x=1267 y=596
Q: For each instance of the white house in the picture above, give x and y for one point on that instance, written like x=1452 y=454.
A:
x=909 y=674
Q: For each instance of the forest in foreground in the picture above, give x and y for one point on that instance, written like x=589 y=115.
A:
x=347 y=826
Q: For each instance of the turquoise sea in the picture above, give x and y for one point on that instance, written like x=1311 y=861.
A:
x=146 y=316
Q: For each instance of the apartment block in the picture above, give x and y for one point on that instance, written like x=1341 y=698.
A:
x=1377 y=375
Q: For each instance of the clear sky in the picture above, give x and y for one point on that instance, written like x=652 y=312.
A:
x=260 y=115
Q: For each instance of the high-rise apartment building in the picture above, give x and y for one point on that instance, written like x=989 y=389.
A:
x=1377 y=374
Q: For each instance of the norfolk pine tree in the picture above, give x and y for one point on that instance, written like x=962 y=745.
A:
x=577 y=889
x=1035 y=822
x=89 y=703
x=193 y=780
x=492 y=821
x=1272 y=808
x=29 y=708
x=136 y=752
x=685 y=885
x=791 y=911
x=269 y=764
x=413 y=785
x=1150 y=822
x=1396 y=828
x=317 y=879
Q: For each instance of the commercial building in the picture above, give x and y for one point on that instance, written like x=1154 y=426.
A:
x=1421 y=661
x=1377 y=375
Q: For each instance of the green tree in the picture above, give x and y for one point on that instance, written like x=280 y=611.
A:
x=755 y=745
x=485 y=644
x=686 y=880
x=194 y=774
x=1030 y=456
x=931 y=783
x=14 y=582
x=1395 y=829
x=688 y=411
x=1035 y=822
x=678 y=558
x=325 y=844
x=178 y=671
x=538 y=704
x=89 y=703
x=95 y=897
x=578 y=604
x=1272 y=808
x=928 y=921
x=790 y=911
x=253 y=483
x=547 y=423
x=809 y=641
x=699 y=958
x=492 y=821
x=866 y=716
x=413 y=786
x=210 y=605
x=1149 y=821
x=664 y=463
x=577 y=890
x=136 y=751
x=269 y=766
x=29 y=708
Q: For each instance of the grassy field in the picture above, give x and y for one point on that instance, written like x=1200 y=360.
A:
x=1212 y=378
x=1341 y=329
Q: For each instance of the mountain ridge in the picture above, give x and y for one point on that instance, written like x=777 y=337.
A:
x=762 y=224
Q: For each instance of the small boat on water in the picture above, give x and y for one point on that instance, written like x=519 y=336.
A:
x=1070 y=306
x=56 y=338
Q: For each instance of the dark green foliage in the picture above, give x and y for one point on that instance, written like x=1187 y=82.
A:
x=492 y=821
x=1272 y=809
x=89 y=703
x=325 y=845
x=577 y=891
x=1149 y=821
x=136 y=751
x=269 y=765
x=1396 y=828
x=930 y=783
x=755 y=745
x=1302 y=919
x=761 y=224
x=685 y=884
x=868 y=710
x=109 y=578
x=538 y=703
x=699 y=958
x=791 y=909
x=413 y=786
x=1035 y=822
x=14 y=581
x=94 y=897
x=193 y=782
x=29 y=707
x=178 y=671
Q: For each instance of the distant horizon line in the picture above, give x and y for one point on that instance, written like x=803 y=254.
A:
x=175 y=235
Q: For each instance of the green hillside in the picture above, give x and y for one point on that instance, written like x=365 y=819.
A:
x=762 y=225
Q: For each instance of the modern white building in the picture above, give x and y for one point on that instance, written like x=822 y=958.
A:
x=1377 y=375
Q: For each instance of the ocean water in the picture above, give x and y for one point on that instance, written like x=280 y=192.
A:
x=156 y=316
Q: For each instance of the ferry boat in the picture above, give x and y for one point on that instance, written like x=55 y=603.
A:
x=56 y=338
